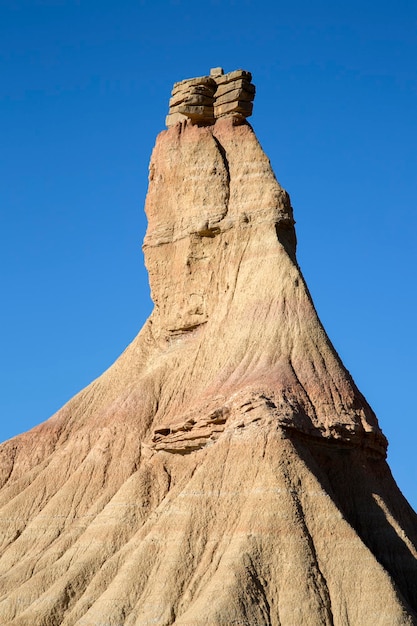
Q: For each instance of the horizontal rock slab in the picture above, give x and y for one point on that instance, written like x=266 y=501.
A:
x=240 y=83
x=208 y=81
x=245 y=108
x=191 y=98
x=227 y=78
x=194 y=111
x=202 y=90
x=234 y=96
x=175 y=118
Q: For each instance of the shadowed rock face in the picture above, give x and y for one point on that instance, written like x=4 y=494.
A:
x=226 y=469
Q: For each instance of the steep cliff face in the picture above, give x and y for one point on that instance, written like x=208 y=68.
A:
x=226 y=469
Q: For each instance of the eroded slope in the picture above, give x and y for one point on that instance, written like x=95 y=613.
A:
x=226 y=469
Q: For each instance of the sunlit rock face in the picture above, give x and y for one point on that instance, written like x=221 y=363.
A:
x=225 y=469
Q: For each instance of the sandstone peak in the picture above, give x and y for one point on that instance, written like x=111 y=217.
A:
x=225 y=469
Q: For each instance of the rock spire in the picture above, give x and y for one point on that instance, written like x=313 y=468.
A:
x=225 y=469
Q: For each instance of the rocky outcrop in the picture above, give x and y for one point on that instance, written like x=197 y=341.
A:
x=234 y=94
x=203 y=100
x=192 y=99
x=225 y=469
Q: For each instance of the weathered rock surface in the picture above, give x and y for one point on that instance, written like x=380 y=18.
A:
x=202 y=100
x=192 y=99
x=226 y=469
x=234 y=94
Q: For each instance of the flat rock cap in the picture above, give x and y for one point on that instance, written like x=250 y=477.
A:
x=201 y=80
x=226 y=78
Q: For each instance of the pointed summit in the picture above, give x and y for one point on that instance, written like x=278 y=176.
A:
x=225 y=469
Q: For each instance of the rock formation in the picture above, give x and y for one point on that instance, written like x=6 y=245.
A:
x=203 y=100
x=226 y=469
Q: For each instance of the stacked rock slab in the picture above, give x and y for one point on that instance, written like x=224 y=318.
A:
x=234 y=94
x=203 y=100
x=192 y=99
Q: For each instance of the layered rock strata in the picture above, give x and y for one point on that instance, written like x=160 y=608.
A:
x=234 y=94
x=225 y=469
x=202 y=100
x=192 y=99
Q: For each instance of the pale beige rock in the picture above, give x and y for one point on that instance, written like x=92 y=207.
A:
x=240 y=106
x=235 y=95
x=204 y=90
x=193 y=99
x=240 y=83
x=175 y=118
x=216 y=71
x=226 y=469
x=230 y=76
x=192 y=109
x=195 y=82
x=203 y=99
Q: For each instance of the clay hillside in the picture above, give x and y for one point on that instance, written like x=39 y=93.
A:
x=225 y=470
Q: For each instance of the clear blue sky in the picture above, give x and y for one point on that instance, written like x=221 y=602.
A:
x=84 y=91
